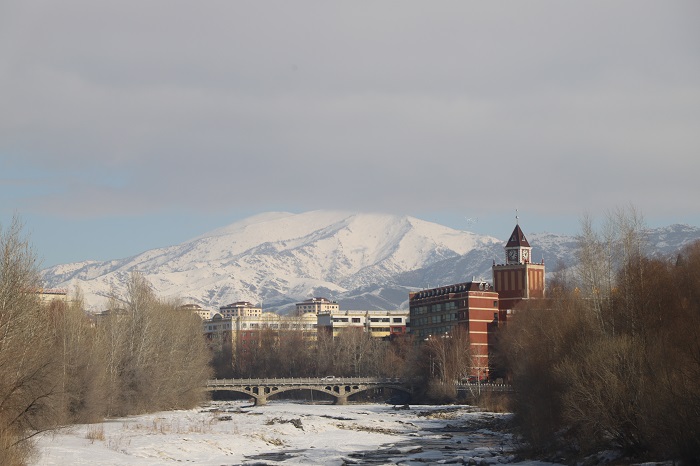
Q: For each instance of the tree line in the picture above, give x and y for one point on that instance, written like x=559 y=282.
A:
x=58 y=366
x=436 y=363
x=612 y=357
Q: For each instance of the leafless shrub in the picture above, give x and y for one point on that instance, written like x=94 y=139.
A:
x=270 y=440
x=118 y=443
x=95 y=432
x=371 y=429
x=27 y=385
x=13 y=453
x=440 y=392
x=494 y=402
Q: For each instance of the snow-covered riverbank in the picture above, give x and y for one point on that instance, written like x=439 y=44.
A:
x=227 y=433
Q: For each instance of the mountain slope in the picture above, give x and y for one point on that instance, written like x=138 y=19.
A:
x=277 y=258
x=364 y=261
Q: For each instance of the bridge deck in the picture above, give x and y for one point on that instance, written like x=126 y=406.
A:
x=335 y=381
x=306 y=381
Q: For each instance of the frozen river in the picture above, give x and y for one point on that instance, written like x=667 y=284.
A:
x=229 y=433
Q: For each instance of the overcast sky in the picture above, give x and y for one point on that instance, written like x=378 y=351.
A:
x=131 y=125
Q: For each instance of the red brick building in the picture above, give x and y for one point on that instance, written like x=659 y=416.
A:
x=473 y=306
x=478 y=307
x=518 y=279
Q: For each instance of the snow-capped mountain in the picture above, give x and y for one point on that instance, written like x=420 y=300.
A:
x=278 y=259
x=364 y=261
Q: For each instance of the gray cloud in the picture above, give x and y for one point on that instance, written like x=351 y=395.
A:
x=141 y=106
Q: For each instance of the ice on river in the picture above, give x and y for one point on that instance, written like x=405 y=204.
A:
x=283 y=432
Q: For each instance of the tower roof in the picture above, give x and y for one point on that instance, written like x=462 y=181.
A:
x=517 y=239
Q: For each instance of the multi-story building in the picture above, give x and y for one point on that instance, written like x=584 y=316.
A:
x=478 y=307
x=48 y=295
x=218 y=331
x=246 y=331
x=241 y=309
x=379 y=323
x=470 y=306
x=204 y=314
x=316 y=306
x=518 y=279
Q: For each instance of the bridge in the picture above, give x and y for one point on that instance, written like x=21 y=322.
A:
x=338 y=387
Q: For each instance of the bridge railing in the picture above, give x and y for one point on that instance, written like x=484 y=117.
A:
x=473 y=387
x=486 y=386
x=304 y=381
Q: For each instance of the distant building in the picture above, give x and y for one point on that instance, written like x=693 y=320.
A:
x=471 y=306
x=316 y=306
x=48 y=295
x=218 y=331
x=518 y=279
x=479 y=307
x=245 y=332
x=241 y=309
x=204 y=314
x=378 y=323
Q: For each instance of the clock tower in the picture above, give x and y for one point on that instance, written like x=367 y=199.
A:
x=518 y=279
x=518 y=250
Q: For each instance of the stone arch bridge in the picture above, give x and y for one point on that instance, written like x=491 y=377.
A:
x=339 y=387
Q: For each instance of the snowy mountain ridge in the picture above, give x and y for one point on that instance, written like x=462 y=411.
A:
x=364 y=261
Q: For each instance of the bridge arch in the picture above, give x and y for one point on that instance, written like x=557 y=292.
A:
x=262 y=389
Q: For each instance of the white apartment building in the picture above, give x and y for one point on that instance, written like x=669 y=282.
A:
x=47 y=295
x=204 y=314
x=316 y=306
x=246 y=330
x=378 y=323
x=241 y=309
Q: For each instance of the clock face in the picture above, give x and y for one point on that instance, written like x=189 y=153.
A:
x=513 y=254
x=526 y=255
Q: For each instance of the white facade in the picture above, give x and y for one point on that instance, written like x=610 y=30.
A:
x=379 y=323
x=204 y=314
x=316 y=306
x=47 y=295
x=241 y=309
x=246 y=328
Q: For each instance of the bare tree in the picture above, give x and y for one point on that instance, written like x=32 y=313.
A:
x=27 y=383
x=449 y=360
x=355 y=352
x=79 y=361
x=618 y=366
x=295 y=356
x=602 y=255
x=155 y=355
